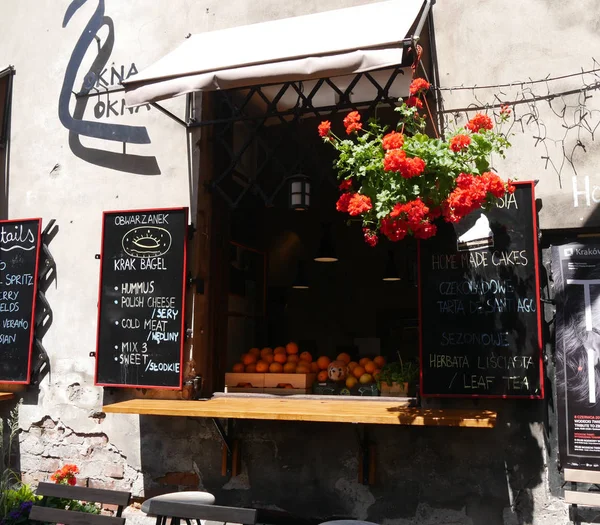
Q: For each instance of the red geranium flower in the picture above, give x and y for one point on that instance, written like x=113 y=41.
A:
x=505 y=110
x=392 y=140
x=343 y=201
x=370 y=237
x=393 y=159
x=459 y=142
x=352 y=122
x=417 y=85
x=414 y=102
x=324 y=128
x=359 y=204
x=478 y=122
x=346 y=185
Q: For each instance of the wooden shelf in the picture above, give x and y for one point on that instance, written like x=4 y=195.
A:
x=5 y=396
x=286 y=409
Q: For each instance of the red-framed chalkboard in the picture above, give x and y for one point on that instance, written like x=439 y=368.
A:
x=479 y=304
x=20 y=241
x=141 y=305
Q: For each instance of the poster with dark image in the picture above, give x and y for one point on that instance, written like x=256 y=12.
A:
x=576 y=274
x=19 y=256
x=141 y=299
x=479 y=303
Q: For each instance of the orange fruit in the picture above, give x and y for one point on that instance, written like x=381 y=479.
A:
x=262 y=366
x=370 y=367
x=323 y=362
x=269 y=358
x=292 y=358
x=279 y=350
x=248 y=359
x=322 y=376
x=344 y=357
x=366 y=378
x=238 y=367
x=363 y=361
x=266 y=351
x=379 y=361
x=303 y=368
x=250 y=369
x=314 y=367
x=276 y=368
x=289 y=368
x=351 y=381
x=376 y=373
x=358 y=371
x=280 y=358
x=352 y=365
x=305 y=356
x=254 y=351
x=291 y=348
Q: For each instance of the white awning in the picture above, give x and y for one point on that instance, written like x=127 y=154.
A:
x=328 y=44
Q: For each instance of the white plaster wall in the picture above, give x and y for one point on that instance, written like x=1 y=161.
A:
x=488 y=42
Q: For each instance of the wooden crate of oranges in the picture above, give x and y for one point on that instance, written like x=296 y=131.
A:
x=283 y=370
x=287 y=370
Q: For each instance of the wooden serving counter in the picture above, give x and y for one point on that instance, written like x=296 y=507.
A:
x=319 y=410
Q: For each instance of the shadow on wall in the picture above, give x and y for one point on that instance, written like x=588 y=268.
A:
x=77 y=126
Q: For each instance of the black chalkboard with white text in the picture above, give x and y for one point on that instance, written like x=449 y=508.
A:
x=141 y=299
x=479 y=303
x=19 y=256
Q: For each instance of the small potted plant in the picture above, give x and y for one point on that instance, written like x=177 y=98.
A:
x=397 y=378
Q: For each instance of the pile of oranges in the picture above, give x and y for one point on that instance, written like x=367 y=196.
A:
x=289 y=360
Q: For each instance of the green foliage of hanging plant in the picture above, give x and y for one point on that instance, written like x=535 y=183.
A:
x=398 y=182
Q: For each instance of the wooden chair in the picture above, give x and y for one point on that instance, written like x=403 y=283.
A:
x=587 y=497
x=40 y=512
x=193 y=511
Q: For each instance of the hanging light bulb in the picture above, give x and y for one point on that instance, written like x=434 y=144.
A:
x=299 y=192
x=326 y=251
x=391 y=272
x=301 y=282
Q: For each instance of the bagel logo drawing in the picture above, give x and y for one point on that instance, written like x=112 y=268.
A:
x=146 y=241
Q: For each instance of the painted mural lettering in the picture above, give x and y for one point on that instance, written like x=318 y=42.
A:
x=586 y=194
x=98 y=78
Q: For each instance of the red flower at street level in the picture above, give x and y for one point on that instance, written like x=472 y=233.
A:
x=370 y=237
x=346 y=185
x=324 y=128
x=343 y=201
x=417 y=85
x=392 y=140
x=414 y=102
x=459 y=142
x=65 y=475
x=352 y=122
x=408 y=167
x=510 y=187
x=412 y=167
x=359 y=204
x=425 y=230
x=478 y=122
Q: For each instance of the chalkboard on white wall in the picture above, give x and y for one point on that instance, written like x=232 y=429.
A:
x=479 y=304
x=19 y=256
x=141 y=299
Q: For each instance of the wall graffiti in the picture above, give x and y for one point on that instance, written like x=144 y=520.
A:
x=98 y=77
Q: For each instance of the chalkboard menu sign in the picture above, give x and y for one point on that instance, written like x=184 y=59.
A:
x=19 y=255
x=479 y=303
x=141 y=303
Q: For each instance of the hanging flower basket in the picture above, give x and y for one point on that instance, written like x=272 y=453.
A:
x=398 y=182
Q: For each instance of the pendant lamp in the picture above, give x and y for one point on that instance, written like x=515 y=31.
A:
x=391 y=272
x=301 y=282
x=326 y=251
